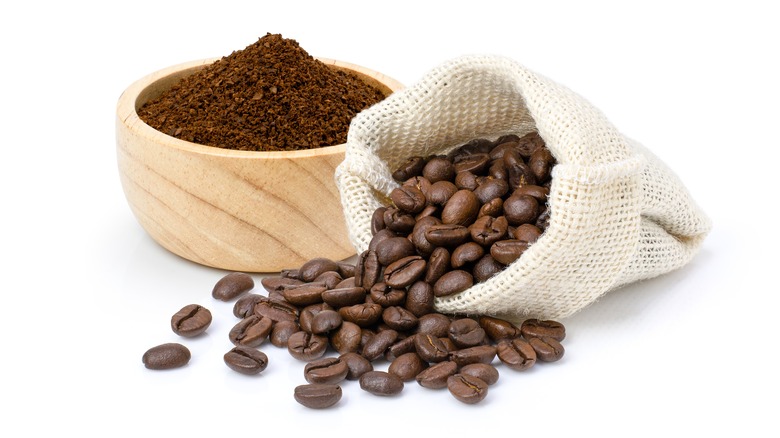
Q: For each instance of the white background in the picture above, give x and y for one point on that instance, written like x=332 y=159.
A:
x=86 y=291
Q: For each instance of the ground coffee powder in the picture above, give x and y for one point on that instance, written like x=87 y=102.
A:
x=270 y=96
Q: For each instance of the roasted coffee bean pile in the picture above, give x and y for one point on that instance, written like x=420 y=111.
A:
x=456 y=220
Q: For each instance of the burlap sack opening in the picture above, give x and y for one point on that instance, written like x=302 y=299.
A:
x=618 y=214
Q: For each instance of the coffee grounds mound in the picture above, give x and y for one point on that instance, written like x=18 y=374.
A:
x=271 y=96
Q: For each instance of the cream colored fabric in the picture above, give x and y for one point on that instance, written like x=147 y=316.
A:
x=618 y=214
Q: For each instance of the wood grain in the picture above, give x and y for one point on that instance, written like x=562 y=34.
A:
x=235 y=210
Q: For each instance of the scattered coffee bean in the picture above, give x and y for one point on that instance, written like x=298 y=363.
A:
x=232 y=285
x=381 y=383
x=329 y=370
x=317 y=396
x=357 y=365
x=191 y=320
x=246 y=360
x=535 y=328
x=166 y=356
x=547 y=349
x=486 y=372
x=435 y=376
x=466 y=388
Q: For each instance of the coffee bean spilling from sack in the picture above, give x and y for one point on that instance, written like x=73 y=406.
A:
x=456 y=220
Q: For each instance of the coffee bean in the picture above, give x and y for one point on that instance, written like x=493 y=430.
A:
x=317 y=396
x=251 y=331
x=328 y=370
x=541 y=163
x=516 y=353
x=344 y=296
x=486 y=372
x=420 y=298
x=435 y=376
x=367 y=270
x=494 y=207
x=276 y=311
x=307 y=314
x=376 y=239
x=486 y=268
x=399 y=347
x=537 y=192
x=346 y=338
x=536 y=328
x=413 y=166
x=399 y=319
x=357 y=365
x=246 y=360
x=466 y=332
x=440 y=192
x=304 y=294
x=393 y=249
x=325 y=322
x=276 y=284
x=346 y=283
x=316 y=266
x=461 y=209
x=547 y=349
x=449 y=235
x=507 y=251
x=498 y=329
x=438 y=265
x=488 y=230
x=521 y=209
x=405 y=271
x=381 y=383
x=430 y=348
x=232 y=285
x=166 y=356
x=475 y=163
x=408 y=199
x=527 y=232
x=378 y=220
x=490 y=189
x=387 y=296
x=407 y=366
x=346 y=270
x=364 y=315
x=306 y=346
x=438 y=169
x=478 y=354
x=452 y=282
x=378 y=344
x=465 y=254
x=191 y=320
x=281 y=332
x=467 y=389
x=245 y=305
x=466 y=180
x=329 y=279
x=421 y=244
x=398 y=221
x=434 y=324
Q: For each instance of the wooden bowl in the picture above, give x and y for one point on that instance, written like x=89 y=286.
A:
x=235 y=210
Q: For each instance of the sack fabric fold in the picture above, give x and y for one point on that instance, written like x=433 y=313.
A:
x=617 y=213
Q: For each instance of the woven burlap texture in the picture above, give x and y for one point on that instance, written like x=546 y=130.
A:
x=618 y=214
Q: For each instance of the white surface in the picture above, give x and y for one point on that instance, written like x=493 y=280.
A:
x=86 y=291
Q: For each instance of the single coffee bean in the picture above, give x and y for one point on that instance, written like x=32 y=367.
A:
x=547 y=349
x=281 y=332
x=232 y=285
x=435 y=324
x=246 y=360
x=357 y=365
x=478 y=354
x=541 y=163
x=393 y=249
x=430 y=348
x=466 y=181
x=413 y=166
x=516 y=353
x=453 y=282
x=346 y=270
x=251 y=331
x=438 y=264
x=289 y=273
x=466 y=253
x=490 y=189
x=507 y=251
x=486 y=372
x=419 y=298
x=308 y=313
x=378 y=344
x=537 y=192
x=519 y=175
x=494 y=207
x=440 y=192
x=304 y=294
x=306 y=346
x=498 y=170
x=191 y=320
x=486 y=267
x=461 y=209
x=329 y=279
x=543 y=220
x=488 y=230
x=449 y=235
x=474 y=163
x=527 y=232
x=317 y=396
x=276 y=310
x=408 y=199
x=376 y=239
x=521 y=209
x=429 y=211
x=498 y=329
x=467 y=389
x=387 y=296
x=466 y=332
x=381 y=383
x=245 y=305
x=435 y=376
x=277 y=283
x=405 y=271
x=407 y=366
x=368 y=270
x=537 y=328
x=166 y=356
x=398 y=221
x=399 y=318
x=344 y=296
x=316 y=266
x=417 y=237
x=364 y=315
x=403 y=346
x=438 y=169
x=497 y=153
x=472 y=147
x=346 y=283
x=325 y=321
x=329 y=370
x=529 y=143
x=346 y=338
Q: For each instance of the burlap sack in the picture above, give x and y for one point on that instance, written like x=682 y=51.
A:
x=618 y=214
